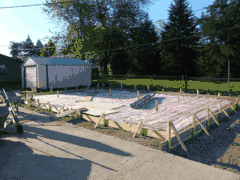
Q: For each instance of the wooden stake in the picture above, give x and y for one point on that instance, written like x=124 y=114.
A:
x=178 y=137
x=211 y=114
x=208 y=116
x=193 y=125
x=156 y=105
x=220 y=111
x=219 y=94
x=169 y=134
x=197 y=92
x=148 y=88
x=57 y=94
x=180 y=91
x=138 y=95
x=49 y=107
x=101 y=117
x=202 y=126
x=139 y=128
x=226 y=114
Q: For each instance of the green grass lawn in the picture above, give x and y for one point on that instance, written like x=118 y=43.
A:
x=204 y=86
x=192 y=86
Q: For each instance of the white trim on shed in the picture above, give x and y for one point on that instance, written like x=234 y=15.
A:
x=42 y=72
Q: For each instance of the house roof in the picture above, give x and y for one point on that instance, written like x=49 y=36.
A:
x=54 y=61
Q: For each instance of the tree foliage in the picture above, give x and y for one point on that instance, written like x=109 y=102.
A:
x=221 y=26
x=38 y=47
x=48 y=50
x=84 y=15
x=178 y=54
x=28 y=48
x=143 y=57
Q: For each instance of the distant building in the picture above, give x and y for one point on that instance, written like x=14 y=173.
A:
x=10 y=69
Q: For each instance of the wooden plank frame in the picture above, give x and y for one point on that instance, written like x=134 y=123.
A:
x=42 y=105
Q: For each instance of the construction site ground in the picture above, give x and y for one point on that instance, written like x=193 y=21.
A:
x=75 y=150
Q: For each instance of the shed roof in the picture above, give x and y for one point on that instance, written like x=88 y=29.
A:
x=54 y=61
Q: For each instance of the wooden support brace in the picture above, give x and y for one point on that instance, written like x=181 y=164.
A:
x=178 y=137
x=40 y=107
x=101 y=117
x=139 y=127
x=202 y=126
x=60 y=110
x=49 y=107
x=231 y=106
x=118 y=125
x=55 y=108
x=211 y=114
x=226 y=114
x=157 y=133
x=169 y=134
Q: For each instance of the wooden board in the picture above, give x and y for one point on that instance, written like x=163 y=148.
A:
x=66 y=113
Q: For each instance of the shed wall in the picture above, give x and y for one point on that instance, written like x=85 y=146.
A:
x=69 y=76
x=42 y=77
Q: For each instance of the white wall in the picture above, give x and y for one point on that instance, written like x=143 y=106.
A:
x=22 y=73
x=70 y=76
x=42 y=77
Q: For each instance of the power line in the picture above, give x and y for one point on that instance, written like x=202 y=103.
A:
x=118 y=48
x=153 y=43
x=34 y=5
x=69 y=2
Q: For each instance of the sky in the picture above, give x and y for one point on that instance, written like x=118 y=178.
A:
x=17 y=23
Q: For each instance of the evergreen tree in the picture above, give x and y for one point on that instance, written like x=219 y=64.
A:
x=143 y=61
x=178 y=54
x=28 y=47
x=16 y=50
x=38 y=48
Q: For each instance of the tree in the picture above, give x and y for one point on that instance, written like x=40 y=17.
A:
x=223 y=31
x=143 y=56
x=122 y=15
x=38 y=48
x=16 y=49
x=28 y=47
x=180 y=44
x=48 y=50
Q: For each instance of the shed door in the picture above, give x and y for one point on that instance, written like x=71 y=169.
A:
x=31 y=77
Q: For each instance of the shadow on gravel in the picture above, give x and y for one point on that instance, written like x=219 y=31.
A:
x=221 y=150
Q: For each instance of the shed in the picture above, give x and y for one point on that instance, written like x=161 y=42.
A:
x=47 y=72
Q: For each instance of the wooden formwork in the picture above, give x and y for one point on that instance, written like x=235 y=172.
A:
x=167 y=140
